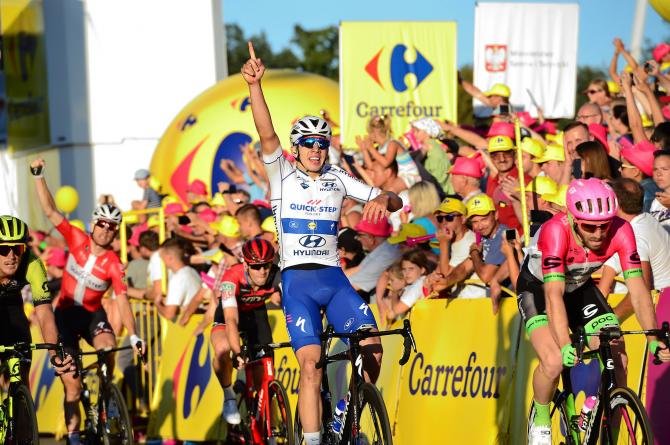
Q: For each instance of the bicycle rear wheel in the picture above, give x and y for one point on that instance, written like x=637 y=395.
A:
x=115 y=421
x=373 y=420
x=630 y=424
x=281 y=427
x=25 y=419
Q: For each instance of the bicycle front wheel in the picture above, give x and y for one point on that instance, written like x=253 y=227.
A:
x=629 y=423
x=24 y=417
x=281 y=427
x=115 y=424
x=373 y=420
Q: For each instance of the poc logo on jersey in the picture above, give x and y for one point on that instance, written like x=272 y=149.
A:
x=312 y=241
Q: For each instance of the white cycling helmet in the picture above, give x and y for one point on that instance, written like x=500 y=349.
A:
x=310 y=126
x=107 y=212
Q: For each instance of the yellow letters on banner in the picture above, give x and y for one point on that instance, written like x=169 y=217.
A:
x=406 y=70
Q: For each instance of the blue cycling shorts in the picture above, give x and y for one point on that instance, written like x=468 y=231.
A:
x=306 y=292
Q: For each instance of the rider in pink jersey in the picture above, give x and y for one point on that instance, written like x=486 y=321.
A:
x=556 y=293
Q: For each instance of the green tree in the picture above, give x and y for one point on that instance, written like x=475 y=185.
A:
x=238 y=51
x=320 y=50
x=464 y=108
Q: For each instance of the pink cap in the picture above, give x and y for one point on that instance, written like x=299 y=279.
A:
x=261 y=203
x=666 y=112
x=466 y=167
x=57 y=257
x=137 y=231
x=600 y=133
x=382 y=228
x=661 y=50
x=501 y=129
x=198 y=187
x=641 y=155
x=174 y=208
x=207 y=215
x=526 y=119
x=37 y=235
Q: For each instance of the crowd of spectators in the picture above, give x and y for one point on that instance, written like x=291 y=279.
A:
x=462 y=217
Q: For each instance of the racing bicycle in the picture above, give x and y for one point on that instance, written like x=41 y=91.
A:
x=365 y=420
x=263 y=405
x=618 y=415
x=107 y=421
x=18 y=420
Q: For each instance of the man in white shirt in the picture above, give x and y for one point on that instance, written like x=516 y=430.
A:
x=454 y=240
x=184 y=282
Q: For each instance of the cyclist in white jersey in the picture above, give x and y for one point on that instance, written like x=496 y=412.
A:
x=306 y=200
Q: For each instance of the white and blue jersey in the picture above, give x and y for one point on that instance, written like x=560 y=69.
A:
x=307 y=214
x=307 y=211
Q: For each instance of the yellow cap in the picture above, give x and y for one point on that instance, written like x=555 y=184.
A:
x=153 y=221
x=169 y=200
x=541 y=185
x=500 y=143
x=216 y=257
x=532 y=146
x=131 y=219
x=613 y=87
x=269 y=225
x=480 y=205
x=555 y=138
x=552 y=152
x=228 y=226
x=218 y=200
x=557 y=198
x=498 y=89
x=154 y=183
x=646 y=122
x=78 y=224
x=408 y=230
x=451 y=205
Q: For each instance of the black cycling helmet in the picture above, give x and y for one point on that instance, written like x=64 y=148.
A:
x=13 y=230
x=258 y=251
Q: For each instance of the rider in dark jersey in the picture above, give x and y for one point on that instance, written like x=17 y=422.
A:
x=556 y=293
x=241 y=309
x=20 y=267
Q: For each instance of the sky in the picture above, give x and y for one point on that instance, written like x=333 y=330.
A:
x=600 y=21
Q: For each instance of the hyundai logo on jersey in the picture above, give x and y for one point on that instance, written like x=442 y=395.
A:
x=312 y=241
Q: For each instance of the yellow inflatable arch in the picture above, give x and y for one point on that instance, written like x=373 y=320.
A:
x=662 y=7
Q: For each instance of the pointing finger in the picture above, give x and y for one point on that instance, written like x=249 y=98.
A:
x=252 y=53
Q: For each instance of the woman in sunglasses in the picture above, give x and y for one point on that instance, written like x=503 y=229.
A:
x=19 y=267
x=556 y=293
x=307 y=201
x=92 y=267
x=241 y=308
x=598 y=92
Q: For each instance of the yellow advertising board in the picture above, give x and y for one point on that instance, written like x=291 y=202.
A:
x=25 y=73
x=406 y=70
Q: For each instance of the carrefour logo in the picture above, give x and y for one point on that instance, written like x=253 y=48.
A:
x=399 y=67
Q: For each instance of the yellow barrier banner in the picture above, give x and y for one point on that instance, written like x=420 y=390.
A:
x=463 y=372
x=406 y=70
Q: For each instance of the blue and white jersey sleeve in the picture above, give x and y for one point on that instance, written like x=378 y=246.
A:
x=354 y=189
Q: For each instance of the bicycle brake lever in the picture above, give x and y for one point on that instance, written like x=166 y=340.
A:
x=665 y=339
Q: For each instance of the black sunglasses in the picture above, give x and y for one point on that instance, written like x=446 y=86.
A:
x=106 y=225
x=448 y=218
x=260 y=266
x=311 y=141
x=18 y=249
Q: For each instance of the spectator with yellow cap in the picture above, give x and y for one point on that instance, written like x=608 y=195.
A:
x=486 y=256
x=495 y=96
x=466 y=175
x=531 y=149
x=502 y=153
x=454 y=240
x=551 y=162
x=270 y=231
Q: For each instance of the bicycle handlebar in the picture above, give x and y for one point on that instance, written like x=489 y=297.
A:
x=244 y=350
x=409 y=343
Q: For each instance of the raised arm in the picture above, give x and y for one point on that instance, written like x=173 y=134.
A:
x=43 y=194
x=253 y=71
x=474 y=91
x=613 y=71
x=634 y=119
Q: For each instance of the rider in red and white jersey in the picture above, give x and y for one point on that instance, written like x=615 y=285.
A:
x=556 y=293
x=91 y=269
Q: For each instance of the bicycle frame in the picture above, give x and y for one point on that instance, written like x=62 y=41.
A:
x=257 y=397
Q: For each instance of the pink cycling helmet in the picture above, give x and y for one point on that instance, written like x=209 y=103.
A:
x=592 y=200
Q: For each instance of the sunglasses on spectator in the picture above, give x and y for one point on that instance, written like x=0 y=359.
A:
x=310 y=142
x=448 y=218
x=593 y=91
x=260 y=266
x=106 y=225
x=624 y=165
x=18 y=249
x=592 y=228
